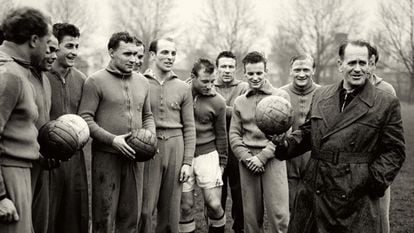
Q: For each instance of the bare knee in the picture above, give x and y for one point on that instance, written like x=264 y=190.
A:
x=214 y=206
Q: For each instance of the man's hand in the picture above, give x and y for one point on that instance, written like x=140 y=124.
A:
x=48 y=163
x=185 y=173
x=8 y=212
x=280 y=140
x=120 y=144
x=255 y=165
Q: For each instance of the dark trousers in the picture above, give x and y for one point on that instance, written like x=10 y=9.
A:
x=231 y=177
x=69 y=208
x=116 y=193
x=40 y=181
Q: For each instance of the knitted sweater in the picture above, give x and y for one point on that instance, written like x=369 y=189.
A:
x=172 y=106
x=300 y=100
x=244 y=133
x=113 y=104
x=18 y=112
x=230 y=92
x=66 y=92
x=43 y=97
x=210 y=123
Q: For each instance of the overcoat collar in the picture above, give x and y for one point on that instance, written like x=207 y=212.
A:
x=358 y=107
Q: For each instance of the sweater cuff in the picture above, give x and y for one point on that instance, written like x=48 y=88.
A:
x=223 y=160
x=188 y=160
x=267 y=153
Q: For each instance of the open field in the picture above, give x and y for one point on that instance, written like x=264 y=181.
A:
x=402 y=190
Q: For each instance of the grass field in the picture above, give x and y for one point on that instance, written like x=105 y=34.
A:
x=402 y=190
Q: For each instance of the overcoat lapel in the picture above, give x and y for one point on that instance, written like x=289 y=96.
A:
x=358 y=107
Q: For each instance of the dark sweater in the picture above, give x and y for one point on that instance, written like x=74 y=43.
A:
x=66 y=92
x=114 y=104
x=210 y=123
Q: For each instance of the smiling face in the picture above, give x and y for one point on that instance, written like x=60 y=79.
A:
x=255 y=74
x=68 y=51
x=354 y=66
x=164 y=58
x=302 y=72
x=124 y=57
x=50 y=56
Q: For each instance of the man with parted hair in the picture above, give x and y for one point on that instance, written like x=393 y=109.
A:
x=172 y=105
x=300 y=90
x=228 y=86
x=211 y=150
x=68 y=183
x=26 y=34
x=355 y=135
x=263 y=179
x=115 y=101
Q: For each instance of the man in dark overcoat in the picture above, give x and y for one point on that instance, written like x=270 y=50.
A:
x=354 y=131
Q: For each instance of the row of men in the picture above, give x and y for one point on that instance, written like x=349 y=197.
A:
x=191 y=122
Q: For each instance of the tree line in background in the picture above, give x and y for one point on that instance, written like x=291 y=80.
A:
x=315 y=27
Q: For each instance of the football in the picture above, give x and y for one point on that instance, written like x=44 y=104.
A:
x=58 y=140
x=144 y=143
x=79 y=125
x=274 y=115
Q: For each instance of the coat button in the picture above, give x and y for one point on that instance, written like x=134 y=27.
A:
x=343 y=196
x=318 y=192
x=352 y=143
x=347 y=170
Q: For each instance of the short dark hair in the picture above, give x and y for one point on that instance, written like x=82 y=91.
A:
x=360 y=43
x=301 y=57
x=253 y=58
x=61 y=30
x=21 y=23
x=117 y=37
x=139 y=42
x=228 y=54
x=200 y=64
x=154 y=44
x=373 y=51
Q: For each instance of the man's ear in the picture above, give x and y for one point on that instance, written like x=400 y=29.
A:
x=339 y=63
x=372 y=60
x=34 y=39
x=111 y=52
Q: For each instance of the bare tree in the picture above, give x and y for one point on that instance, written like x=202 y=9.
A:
x=6 y=5
x=398 y=35
x=77 y=12
x=148 y=20
x=312 y=27
x=228 y=25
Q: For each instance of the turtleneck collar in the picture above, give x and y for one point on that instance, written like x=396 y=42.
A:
x=15 y=53
x=303 y=90
x=118 y=73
